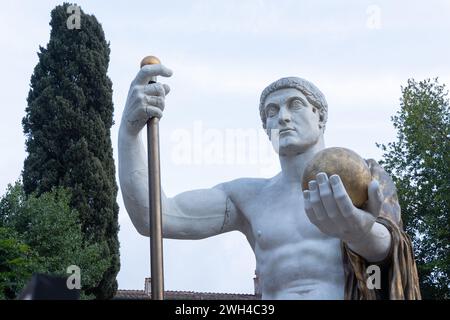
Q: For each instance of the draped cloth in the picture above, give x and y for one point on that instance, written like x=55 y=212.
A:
x=399 y=279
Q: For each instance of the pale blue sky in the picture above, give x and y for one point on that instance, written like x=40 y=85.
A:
x=223 y=53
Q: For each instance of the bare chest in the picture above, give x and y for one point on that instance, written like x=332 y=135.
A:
x=277 y=217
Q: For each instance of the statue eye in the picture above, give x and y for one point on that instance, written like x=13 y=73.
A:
x=297 y=104
x=271 y=111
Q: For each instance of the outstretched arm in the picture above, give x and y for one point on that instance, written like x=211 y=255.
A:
x=190 y=215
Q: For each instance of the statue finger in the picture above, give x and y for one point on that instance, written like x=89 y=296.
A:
x=326 y=194
x=308 y=208
x=316 y=203
x=149 y=72
x=311 y=214
x=166 y=88
x=328 y=201
x=343 y=201
x=155 y=101
x=155 y=89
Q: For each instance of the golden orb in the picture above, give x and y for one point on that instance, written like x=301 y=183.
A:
x=351 y=168
x=150 y=60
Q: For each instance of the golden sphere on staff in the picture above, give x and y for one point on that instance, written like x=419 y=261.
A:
x=351 y=168
x=150 y=60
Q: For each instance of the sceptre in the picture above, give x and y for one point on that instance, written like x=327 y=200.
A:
x=154 y=185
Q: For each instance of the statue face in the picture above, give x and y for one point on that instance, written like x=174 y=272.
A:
x=292 y=122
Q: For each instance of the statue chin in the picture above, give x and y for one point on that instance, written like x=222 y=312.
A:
x=293 y=149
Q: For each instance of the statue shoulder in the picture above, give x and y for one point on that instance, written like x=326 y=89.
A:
x=391 y=206
x=243 y=188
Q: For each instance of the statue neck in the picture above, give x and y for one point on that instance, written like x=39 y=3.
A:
x=292 y=166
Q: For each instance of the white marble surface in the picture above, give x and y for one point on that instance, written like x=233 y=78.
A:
x=295 y=237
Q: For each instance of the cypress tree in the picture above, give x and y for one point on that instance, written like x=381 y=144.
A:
x=67 y=128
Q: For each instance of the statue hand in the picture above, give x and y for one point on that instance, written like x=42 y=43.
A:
x=329 y=207
x=145 y=100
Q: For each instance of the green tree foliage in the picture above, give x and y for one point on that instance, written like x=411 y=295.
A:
x=43 y=235
x=17 y=262
x=419 y=162
x=67 y=125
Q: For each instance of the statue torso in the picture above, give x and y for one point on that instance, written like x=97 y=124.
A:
x=294 y=260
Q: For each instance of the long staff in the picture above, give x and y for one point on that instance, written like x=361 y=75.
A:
x=154 y=194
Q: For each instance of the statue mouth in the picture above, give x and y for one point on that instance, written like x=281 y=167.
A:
x=284 y=130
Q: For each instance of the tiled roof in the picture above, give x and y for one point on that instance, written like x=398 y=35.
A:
x=183 y=295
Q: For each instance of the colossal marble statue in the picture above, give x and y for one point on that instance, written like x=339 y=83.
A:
x=308 y=244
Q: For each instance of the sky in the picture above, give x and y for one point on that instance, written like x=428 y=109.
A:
x=223 y=53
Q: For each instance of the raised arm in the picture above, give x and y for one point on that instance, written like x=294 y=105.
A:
x=190 y=215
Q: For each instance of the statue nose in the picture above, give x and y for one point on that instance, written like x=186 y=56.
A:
x=284 y=116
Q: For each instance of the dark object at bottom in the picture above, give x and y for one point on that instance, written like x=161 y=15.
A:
x=45 y=287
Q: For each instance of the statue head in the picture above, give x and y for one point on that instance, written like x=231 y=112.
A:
x=294 y=114
x=314 y=96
